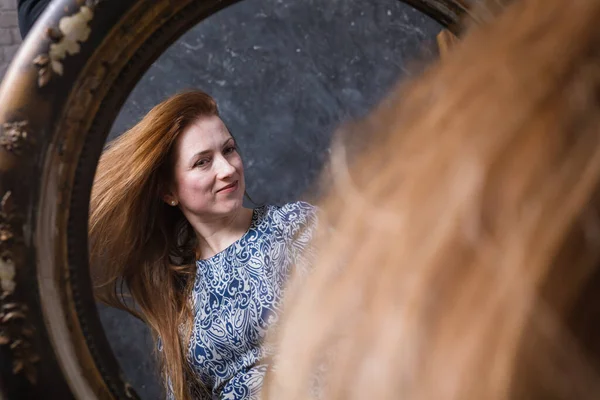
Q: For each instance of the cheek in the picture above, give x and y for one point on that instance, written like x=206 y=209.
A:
x=238 y=164
x=193 y=185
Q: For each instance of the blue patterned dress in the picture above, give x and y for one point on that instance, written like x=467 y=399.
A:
x=237 y=295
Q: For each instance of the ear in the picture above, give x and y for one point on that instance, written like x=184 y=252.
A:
x=167 y=195
x=168 y=198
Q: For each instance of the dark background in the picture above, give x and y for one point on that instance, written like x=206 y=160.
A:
x=285 y=74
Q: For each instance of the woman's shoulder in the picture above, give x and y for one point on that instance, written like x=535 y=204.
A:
x=291 y=214
x=293 y=210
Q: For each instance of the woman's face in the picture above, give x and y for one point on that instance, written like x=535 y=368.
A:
x=208 y=178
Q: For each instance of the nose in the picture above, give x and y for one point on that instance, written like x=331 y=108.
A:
x=224 y=168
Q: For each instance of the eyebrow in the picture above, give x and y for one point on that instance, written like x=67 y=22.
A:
x=202 y=153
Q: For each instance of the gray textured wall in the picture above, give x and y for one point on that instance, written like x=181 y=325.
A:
x=285 y=74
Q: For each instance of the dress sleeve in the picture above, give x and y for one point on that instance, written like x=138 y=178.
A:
x=166 y=378
x=169 y=388
x=303 y=220
x=196 y=392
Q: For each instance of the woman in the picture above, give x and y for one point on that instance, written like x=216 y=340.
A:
x=486 y=283
x=205 y=273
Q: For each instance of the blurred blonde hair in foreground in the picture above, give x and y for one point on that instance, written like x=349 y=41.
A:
x=465 y=259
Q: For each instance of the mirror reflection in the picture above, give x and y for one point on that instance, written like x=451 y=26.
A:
x=205 y=204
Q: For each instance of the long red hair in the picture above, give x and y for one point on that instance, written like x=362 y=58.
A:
x=464 y=265
x=143 y=250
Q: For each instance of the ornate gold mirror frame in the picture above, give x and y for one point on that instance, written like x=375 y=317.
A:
x=58 y=101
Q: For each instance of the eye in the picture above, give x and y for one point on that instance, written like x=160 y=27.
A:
x=202 y=162
x=229 y=150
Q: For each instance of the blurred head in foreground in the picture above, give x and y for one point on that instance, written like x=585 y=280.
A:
x=464 y=263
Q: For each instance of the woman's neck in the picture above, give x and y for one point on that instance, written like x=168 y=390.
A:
x=216 y=235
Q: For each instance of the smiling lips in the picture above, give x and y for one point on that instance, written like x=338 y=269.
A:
x=229 y=188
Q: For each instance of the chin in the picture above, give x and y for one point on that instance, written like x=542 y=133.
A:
x=230 y=206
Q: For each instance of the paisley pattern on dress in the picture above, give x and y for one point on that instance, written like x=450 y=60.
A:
x=237 y=295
